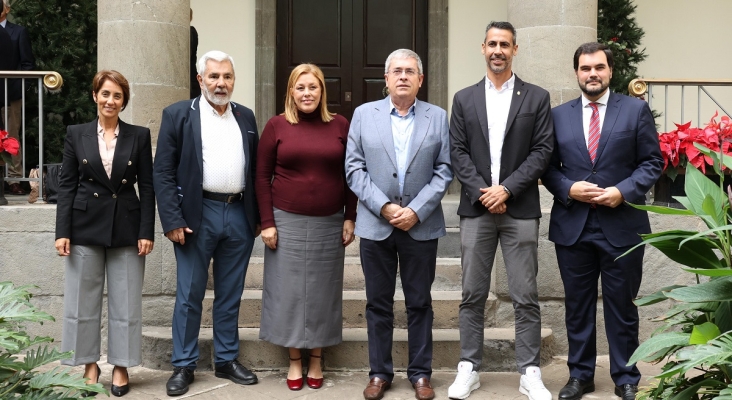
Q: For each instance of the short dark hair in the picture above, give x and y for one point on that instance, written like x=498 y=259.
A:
x=114 y=76
x=505 y=25
x=592 y=48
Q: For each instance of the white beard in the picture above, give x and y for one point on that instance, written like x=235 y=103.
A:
x=216 y=100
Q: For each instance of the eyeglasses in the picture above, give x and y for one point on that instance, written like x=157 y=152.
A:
x=397 y=72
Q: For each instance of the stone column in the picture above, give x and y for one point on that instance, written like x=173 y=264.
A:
x=548 y=33
x=148 y=42
x=266 y=67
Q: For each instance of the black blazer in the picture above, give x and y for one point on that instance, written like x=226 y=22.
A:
x=94 y=210
x=178 y=172
x=527 y=148
x=22 y=57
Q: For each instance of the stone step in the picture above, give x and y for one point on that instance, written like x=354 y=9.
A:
x=351 y=354
x=448 y=274
x=445 y=304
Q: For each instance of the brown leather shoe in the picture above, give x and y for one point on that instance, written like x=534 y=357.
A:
x=376 y=388
x=16 y=189
x=423 y=389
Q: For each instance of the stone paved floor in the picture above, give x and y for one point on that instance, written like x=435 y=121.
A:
x=149 y=384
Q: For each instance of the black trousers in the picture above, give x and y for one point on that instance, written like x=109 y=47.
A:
x=416 y=261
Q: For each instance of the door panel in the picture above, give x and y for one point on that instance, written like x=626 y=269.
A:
x=349 y=40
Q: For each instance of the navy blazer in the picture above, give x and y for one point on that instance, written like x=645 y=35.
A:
x=22 y=58
x=96 y=210
x=628 y=157
x=178 y=168
x=527 y=148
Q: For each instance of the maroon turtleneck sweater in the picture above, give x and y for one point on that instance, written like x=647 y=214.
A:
x=300 y=168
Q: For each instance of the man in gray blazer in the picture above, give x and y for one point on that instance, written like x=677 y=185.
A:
x=501 y=139
x=398 y=164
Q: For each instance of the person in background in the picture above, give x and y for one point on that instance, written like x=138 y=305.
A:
x=300 y=158
x=195 y=87
x=105 y=230
x=23 y=60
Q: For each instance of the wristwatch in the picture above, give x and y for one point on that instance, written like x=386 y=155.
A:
x=505 y=189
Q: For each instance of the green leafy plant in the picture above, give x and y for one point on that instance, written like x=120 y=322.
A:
x=695 y=335
x=19 y=377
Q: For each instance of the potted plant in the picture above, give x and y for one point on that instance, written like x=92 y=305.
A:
x=678 y=148
x=8 y=147
x=694 y=340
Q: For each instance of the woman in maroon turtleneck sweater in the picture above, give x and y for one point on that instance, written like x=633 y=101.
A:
x=308 y=216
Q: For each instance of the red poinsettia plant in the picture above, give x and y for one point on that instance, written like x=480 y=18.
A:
x=8 y=146
x=678 y=147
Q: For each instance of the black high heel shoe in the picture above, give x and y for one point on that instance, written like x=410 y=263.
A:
x=120 y=391
x=86 y=393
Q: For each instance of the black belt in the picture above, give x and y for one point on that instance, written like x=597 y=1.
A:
x=225 y=197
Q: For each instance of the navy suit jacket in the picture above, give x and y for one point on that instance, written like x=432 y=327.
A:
x=22 y=58
x=96 y=210
x=628 y=157
x=178 y=167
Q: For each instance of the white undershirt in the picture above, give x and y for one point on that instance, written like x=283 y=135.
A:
x=222 y=151
x=497 y=103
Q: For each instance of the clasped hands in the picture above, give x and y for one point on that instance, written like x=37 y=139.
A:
x=587 y=192
x=400 y=217
x=494 y=199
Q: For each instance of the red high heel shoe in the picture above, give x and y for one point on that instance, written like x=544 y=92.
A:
x=295 y=384
x=315 y=383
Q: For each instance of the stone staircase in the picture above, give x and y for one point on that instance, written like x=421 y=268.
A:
x=352 y=353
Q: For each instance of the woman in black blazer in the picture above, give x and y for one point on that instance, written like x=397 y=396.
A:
x=102 y=226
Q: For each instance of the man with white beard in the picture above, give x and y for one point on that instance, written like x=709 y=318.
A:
x=204 y=166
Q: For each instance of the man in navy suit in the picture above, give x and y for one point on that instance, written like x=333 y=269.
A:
x=21 y=58
x=606 y=155
x=203 y=175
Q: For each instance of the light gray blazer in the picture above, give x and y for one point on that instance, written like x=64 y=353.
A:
x=371 y=169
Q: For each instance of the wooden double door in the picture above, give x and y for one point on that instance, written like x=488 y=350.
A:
x=349 y=40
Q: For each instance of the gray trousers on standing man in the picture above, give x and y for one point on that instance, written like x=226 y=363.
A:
x=519 y=240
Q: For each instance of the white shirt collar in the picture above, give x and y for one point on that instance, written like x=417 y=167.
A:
x=4 y=23
x=506 y=85
x=602 y=100
x=208 y=108
x=100 y=129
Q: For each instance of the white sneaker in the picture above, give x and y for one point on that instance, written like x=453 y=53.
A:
x=532 y=386
x=466 y=381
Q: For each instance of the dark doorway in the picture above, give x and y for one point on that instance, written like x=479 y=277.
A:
x=349 y=40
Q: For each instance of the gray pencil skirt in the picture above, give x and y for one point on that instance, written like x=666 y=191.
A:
x=303 y=282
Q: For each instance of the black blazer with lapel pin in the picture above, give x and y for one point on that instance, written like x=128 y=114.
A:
x=527 y=148
x=96 y=210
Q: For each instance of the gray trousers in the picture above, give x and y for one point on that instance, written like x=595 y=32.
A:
x=83 y=293
x=479 y=238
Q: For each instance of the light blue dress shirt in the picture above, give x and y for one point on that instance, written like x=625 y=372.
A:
x=401 y=129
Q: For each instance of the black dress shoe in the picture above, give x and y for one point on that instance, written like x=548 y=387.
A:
x=120 y=391
x=86 y=393
x=179 y=381
x=575 y=388
x=236 y=373
x=626 y=391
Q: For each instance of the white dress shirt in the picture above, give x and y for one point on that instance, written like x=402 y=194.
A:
x=401 y=130
x=587 y=112
x=497 y=103
x=223 y=151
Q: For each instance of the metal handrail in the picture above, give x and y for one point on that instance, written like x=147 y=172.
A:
x=52 y=81
x=640 y=86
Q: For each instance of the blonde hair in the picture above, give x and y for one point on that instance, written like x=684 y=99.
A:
x=290 y=107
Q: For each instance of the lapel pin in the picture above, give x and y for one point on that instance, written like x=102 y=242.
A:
x=518 y=93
